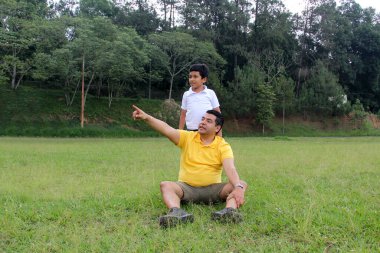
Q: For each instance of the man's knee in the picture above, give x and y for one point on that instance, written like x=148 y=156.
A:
x=166 y=186
x=228 y=188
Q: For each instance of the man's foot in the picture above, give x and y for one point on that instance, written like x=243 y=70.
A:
x=227 y=215
x=174 y=217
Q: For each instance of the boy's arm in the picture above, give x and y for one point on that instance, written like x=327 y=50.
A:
x=218 y=110
x=158 y=125
x=182 y=119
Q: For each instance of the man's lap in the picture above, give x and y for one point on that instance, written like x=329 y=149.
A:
x=204 y=194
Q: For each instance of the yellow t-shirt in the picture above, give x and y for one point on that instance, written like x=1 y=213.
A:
x=201 y=165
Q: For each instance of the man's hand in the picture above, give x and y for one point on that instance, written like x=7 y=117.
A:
x=158 y=125
x=238 y=195
x=139 y=114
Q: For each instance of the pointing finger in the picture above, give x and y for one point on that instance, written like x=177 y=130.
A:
x=136 y=108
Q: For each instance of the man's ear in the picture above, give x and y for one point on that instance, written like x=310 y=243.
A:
x=217 y=128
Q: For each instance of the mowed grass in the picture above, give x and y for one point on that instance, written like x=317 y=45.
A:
x=102 y=195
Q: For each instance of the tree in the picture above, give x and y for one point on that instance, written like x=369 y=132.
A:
x=128 y=70
x=15 y=41
x=115 y=56
x=15 y=63
x=366 y=85
x=157 y=67
x=169 y=8
x=143 y=18
x=305 y=57
x=93 y=8
x=264 y=103
x=322 y=92
x=284 y=90
x=239 y=98
x=347 y=39
x=358 y=114
x=65 y=65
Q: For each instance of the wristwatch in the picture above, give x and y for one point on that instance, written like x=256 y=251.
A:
x=239 y=185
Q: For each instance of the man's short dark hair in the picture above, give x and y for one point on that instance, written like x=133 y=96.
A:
x=201 y=68
x=219 y=121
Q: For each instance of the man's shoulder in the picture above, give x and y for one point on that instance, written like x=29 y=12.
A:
x=186 y=135
x=224 y=148
x=223 y=140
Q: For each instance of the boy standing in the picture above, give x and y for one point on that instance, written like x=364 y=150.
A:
x=198 y=99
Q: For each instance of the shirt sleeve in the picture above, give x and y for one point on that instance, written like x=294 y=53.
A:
x=225 y=151
x=182 y=138
x=214 y=99
x=184 y=101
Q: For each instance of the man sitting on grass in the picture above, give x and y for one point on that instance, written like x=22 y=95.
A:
x=203 y=154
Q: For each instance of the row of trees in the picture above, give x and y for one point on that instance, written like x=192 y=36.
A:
x=260 y=55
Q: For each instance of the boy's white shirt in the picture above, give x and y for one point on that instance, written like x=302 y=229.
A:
x=196 y=105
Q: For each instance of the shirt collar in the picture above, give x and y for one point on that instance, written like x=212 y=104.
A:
x=204 y=90
x=213 y=144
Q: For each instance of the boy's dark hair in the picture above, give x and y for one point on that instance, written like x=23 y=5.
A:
x=219 y=121
x=201 y=68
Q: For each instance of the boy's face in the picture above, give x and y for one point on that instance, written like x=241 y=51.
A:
x=195 y=80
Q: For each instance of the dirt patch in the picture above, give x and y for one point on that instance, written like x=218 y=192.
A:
x=239 y=125
x=374 y=120
x=346 y=122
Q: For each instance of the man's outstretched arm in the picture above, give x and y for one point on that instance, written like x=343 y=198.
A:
x=158 y=125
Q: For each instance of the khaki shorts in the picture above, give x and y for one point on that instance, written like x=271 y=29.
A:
x=203 y=194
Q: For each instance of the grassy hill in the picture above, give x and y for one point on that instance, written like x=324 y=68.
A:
x=31 y=111
x=39 y=112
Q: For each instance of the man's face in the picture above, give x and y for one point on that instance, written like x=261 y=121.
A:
x=208 y=125
x=195 y=79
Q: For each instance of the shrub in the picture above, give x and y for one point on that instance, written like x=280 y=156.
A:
x=358 y=114
x=170 y=112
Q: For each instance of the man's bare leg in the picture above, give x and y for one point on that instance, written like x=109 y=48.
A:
x=172 y=194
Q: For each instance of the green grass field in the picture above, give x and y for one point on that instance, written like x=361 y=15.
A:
x=102 y=195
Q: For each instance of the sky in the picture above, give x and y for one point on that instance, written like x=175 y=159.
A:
x=298 y=5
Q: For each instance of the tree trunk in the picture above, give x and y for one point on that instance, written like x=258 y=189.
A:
x=75 y=92
x=171 y=86
x=100 y=84
x=298 y=88
x=110 y=94
x=88 y=87
x=150 y=80
x=283 y=116
x=19 y=80
x=14 y=73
